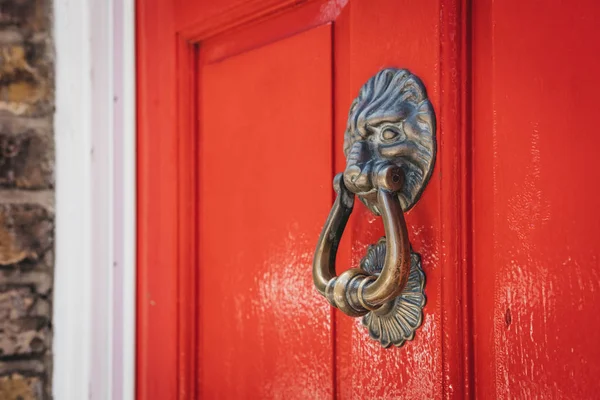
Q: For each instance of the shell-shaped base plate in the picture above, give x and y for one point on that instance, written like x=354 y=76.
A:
x=396 y=321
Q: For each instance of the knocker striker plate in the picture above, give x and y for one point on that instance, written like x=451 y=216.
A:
x=390 y=149
x=397 y=320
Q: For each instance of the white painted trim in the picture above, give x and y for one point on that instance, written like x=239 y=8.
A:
x=125 y=196
x=72 y=275
x=94 y=290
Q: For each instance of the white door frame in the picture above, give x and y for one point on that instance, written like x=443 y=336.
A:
x=94 y=281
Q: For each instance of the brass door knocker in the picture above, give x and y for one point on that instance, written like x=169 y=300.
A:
x=390 y=149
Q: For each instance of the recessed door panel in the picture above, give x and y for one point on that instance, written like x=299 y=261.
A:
x=265 y=163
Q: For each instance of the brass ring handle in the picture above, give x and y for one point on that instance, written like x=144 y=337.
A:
x=390 y=148
x=356 y=292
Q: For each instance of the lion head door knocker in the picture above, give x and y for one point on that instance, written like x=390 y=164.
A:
x=390 y=151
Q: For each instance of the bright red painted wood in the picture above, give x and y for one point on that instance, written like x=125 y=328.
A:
x=425 y=368
x=365 y=370
x=187 y=120
x=536 y=216
x=425 y=37
x=265 y=172
x=355 y=356
x=428 y=41
x=272 y=29
x=512 y=295
x=157 y=203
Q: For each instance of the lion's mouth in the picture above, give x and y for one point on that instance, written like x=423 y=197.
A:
x=369 y=199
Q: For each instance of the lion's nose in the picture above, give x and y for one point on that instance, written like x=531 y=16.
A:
x=357 y=175
x=358 y=179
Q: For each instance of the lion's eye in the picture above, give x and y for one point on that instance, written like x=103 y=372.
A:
x=390 y=134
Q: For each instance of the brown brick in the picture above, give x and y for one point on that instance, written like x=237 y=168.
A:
x=26 y=198
x=24 y=322
x=26 y=161
x=19 y=387
x=26 y=79
x=26 y=234
x=27 y=16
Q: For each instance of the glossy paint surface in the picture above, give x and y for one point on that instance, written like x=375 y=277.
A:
x=536 y=290
x=364 y=369
x=265 y=182
x=508 y=228
x=157 y=203
x=261 y=89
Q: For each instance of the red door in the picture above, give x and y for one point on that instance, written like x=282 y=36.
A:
x=242 y=112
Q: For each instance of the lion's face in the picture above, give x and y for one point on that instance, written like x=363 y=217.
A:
x=390 y=122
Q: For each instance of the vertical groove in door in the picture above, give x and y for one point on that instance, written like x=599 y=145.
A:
x=467 y=209
x=454 y=162
x=194 y=342
x=187 y=208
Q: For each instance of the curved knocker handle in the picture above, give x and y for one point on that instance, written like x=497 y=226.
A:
x=355 y=291
x=390 y=149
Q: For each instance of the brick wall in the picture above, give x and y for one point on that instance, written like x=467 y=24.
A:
x=26 y=198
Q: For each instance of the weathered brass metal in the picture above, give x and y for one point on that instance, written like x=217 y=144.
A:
x=390 y=150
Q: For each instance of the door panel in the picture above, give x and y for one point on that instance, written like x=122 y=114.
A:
x=536 y=216
x=265 y=163
x=365 y=370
